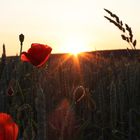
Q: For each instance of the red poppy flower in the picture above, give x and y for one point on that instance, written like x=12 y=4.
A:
x=8 y=129
x=37 y=55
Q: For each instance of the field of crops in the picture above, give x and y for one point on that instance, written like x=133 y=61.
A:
x=94 y=96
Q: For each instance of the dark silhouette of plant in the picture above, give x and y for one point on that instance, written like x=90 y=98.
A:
x=3 y=60
x=21 y=39
x=127 y=31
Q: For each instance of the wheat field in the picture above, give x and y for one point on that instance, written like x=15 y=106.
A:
x=93 y=96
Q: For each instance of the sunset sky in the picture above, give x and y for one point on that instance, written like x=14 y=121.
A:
x=66 y=24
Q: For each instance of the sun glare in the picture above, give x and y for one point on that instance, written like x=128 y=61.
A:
x=74 y=46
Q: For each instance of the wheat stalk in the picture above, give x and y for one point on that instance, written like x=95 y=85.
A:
x=127 y=34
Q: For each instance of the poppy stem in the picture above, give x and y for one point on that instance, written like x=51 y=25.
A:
x=20 y=91
x=21 y=48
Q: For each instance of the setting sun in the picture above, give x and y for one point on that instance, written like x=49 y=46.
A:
x=74 y=45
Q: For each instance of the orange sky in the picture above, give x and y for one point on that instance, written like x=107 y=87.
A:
x=66 y=24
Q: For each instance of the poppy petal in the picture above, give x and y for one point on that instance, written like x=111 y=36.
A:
x=11 y=131
x=47 y=55
x=8 y=128
x=24 y=57
x=4 y=118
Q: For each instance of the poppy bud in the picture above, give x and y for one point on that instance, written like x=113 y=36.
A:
x=21 y=38
x=78 y=93
x=10 y=91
